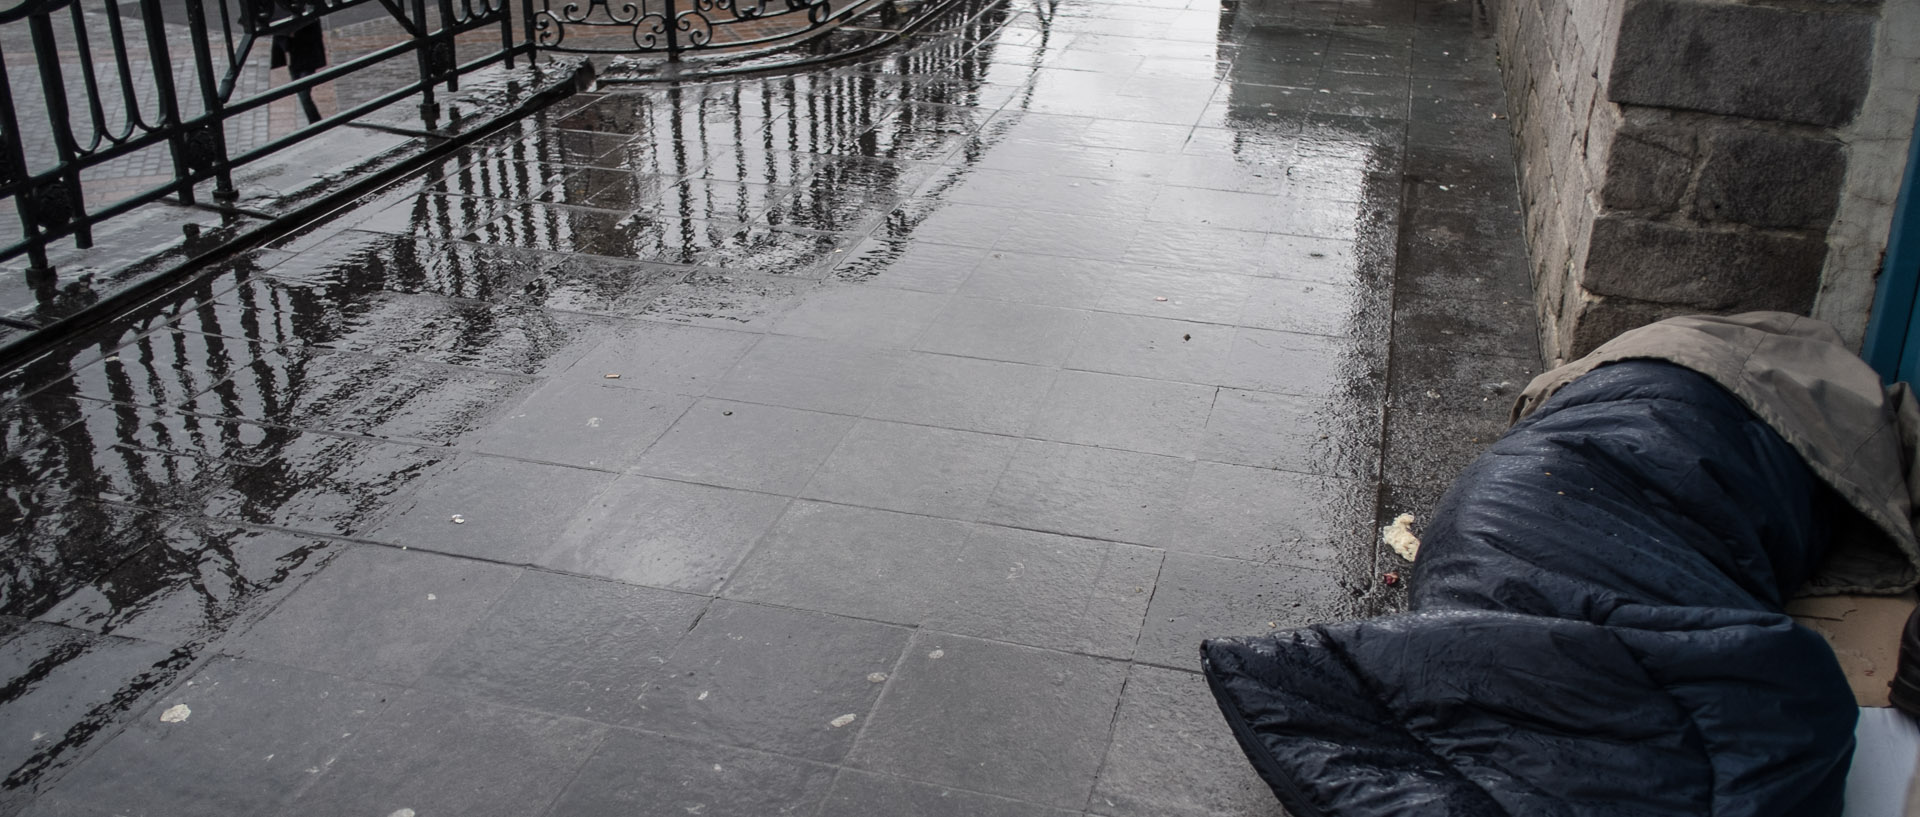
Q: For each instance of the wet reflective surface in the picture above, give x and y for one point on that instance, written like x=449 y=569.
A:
x=859 y=441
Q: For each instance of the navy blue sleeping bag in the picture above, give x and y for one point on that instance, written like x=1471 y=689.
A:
x=1597 y=629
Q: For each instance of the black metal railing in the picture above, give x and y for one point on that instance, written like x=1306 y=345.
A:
x=108 y=105
x=676 y=27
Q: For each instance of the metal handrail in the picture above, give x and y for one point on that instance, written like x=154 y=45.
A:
x=48 y=192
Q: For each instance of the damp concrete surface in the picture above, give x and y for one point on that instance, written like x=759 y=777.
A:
x=879 y=439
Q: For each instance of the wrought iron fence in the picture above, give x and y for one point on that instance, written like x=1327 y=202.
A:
x=181 y=87
x=675 y=27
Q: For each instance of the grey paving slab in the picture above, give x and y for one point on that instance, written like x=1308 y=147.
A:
x=1292 y=363
x=494 y=508
x=1199 y=597
x=1263 y=515
x=205 y=578
x=1169 y=756
x=837 y=377
x=675 y=359
x=745 y=445
x=68 y=684
x=1013 y=721
x=1046 y=590
x=580 y=422
x=1016 y=333
x=249 y=738
x=431 y=753
x=912 y=468
x=376 y=613
x=1129 y=413
x=1040 y=280
x=964 y=393
x=829 y=557
x=1159 y=348
x=663 y=533
x=773 y=679
x=637 y=774
x=566 y=646
x=1319 y=435
x=865 y=794
x=1084 y=491
x=869 y=316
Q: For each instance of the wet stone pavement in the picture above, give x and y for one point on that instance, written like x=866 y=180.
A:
x=873 y=441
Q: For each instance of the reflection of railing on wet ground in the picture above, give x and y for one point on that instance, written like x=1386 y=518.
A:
x=166 y=84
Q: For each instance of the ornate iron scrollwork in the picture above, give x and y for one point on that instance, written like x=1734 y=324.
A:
x=676 y=26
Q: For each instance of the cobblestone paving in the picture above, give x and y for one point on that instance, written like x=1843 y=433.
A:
x=880 y=440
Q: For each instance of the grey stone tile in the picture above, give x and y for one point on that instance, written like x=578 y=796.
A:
x=493 y=508
x=963 y=393
x=1208 y=249
x=660 y=357
x=635 y=774
x=1159 y=348
x=915 y=469
x=818 y=375
x=743 y=445
x=1200 y=597
x=1324 y=260
x=1291 y=363
x=864 y=794
x=252 y=736
x=1046 y=590
x=1129 y=413
x=376 y=613
x=870 y=316
x=900 y=263
x=1278 y=517
x=1013 y=721
x=195 y=584
x=431 y=753
x=1041 y=280
x=1173 y=754
x=566 y=646
x=1320 y=435
x=722 y=299
x=65 y=685
x=853 y=562
x=581 y=422
x=328 y=485
x=772 y=679
x=1082 y=491
x=1182 y=294
x=1314 y=308
x=1017 y=333
x=662 y=533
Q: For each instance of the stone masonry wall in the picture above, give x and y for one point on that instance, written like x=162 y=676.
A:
x=1678 y=156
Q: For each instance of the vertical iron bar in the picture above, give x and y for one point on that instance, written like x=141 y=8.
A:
x=423 y=52
x=136 y=118
x=506 y=31
x=447 y=28
x=83 y=47
x=54 y=87
x=160 y=54
x=673 y=29
x=210 y=117
x=16 y=163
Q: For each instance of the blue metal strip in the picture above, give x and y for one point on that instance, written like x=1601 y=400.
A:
x=1890 y=329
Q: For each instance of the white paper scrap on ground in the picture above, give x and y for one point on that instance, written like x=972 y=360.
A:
x=1399 y=536
x=843 y=720
x=175 y=714
x=1886 y=749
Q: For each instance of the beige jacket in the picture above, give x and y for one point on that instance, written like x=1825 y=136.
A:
x=1797 y=376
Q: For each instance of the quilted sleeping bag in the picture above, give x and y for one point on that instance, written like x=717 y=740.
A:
x=1596 y=623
